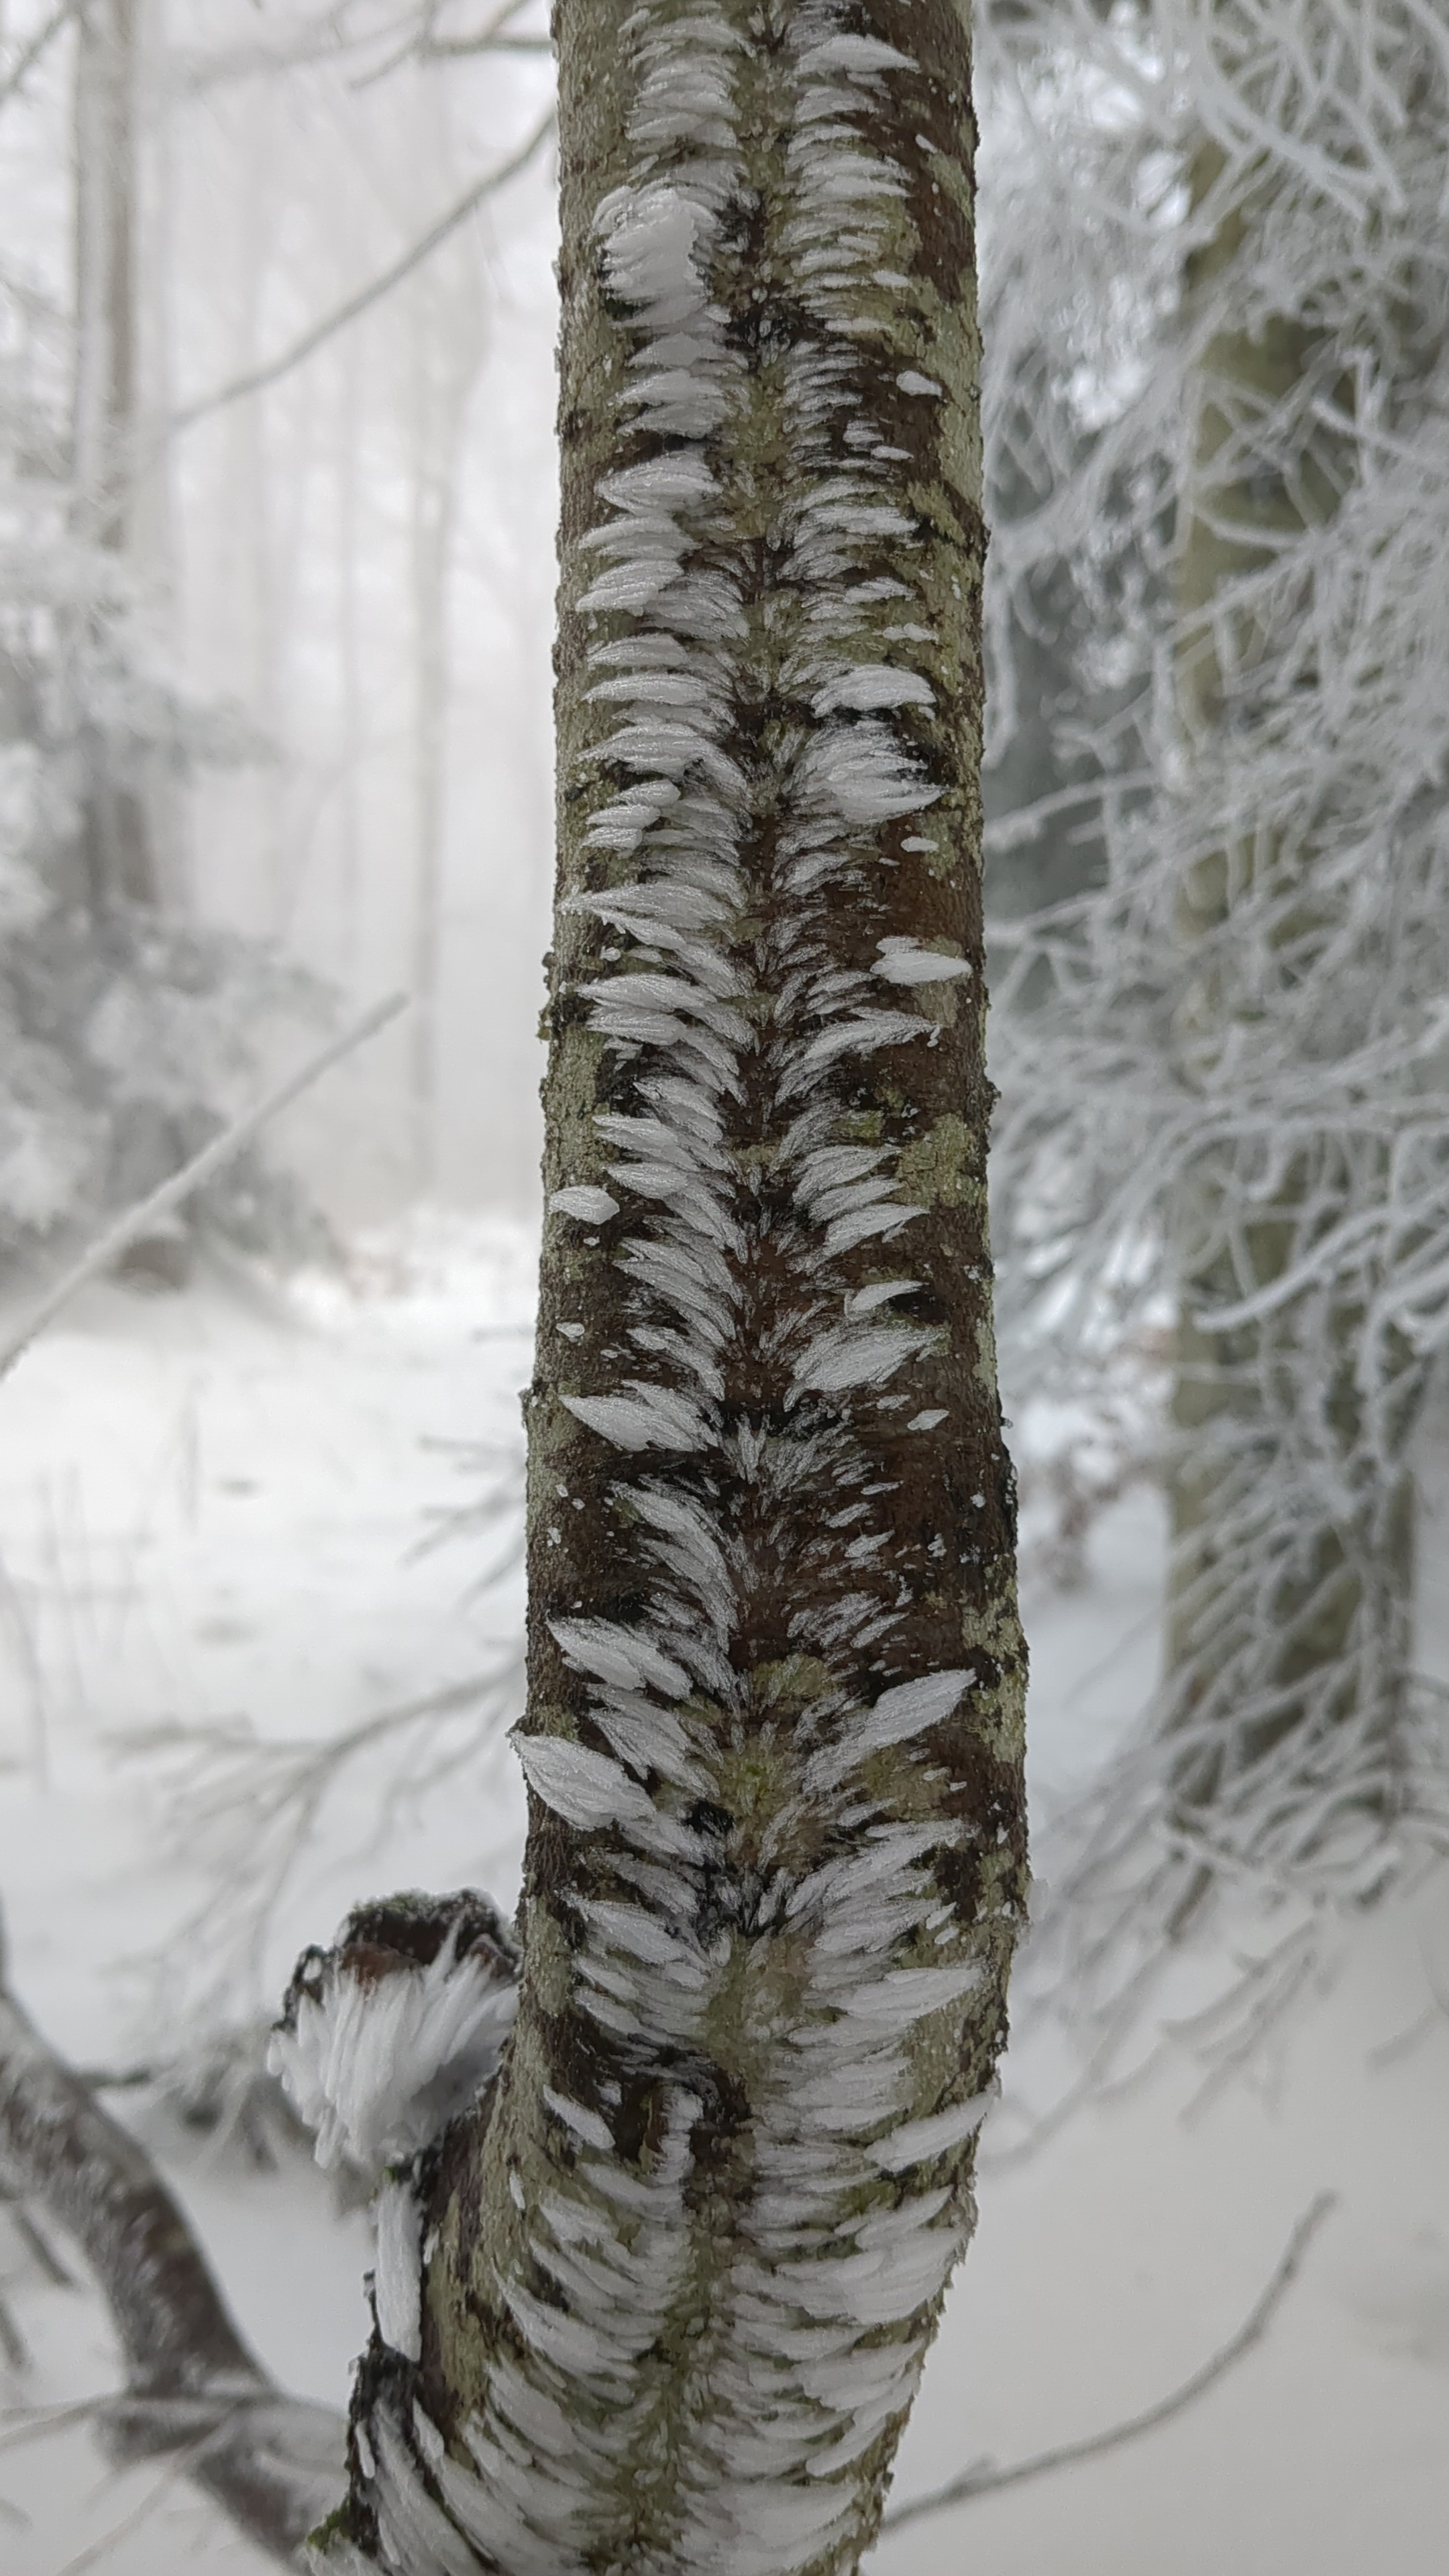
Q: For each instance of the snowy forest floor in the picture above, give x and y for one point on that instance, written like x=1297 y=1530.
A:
x=226 y=1546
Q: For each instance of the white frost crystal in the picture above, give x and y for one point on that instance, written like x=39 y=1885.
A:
x=380 y=2046
x=901 y=961
x=397 y=2285
x=593 y=1206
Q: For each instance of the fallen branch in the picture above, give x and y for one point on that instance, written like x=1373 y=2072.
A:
x=136 y=1221
x=987 y=2479
x=274 y=2463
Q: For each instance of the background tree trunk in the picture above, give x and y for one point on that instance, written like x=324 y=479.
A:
x=681 y=2264
x=449 y=341
x=1291 y=1499
x=118 y=844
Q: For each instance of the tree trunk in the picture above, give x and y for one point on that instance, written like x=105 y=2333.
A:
x=117 y=842
x=682 y=2261
x=1291 y=1500
x=448 y=336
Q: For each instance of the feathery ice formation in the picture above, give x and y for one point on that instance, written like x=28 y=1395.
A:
x=383 y=2040
x=680 y=2282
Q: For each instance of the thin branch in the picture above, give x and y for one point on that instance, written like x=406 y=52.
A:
x=30 y=54
x=13 y=2349
x=22 y=2424
x=177 y=2466
x=489 y=32
x=257 y=380
x=42 y=2253
x=986 y=2480
x=280 y=1789
x=439 y=49
x=422 y=46
x=129 y=1227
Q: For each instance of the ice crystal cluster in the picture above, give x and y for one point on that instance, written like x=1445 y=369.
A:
x=776 y=1860
x=385 y=2038
x=1216 y=320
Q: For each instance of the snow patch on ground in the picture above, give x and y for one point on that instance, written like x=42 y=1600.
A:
x=210 y=1509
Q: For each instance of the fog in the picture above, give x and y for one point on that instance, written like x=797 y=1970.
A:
x=278 y=500
x=356 y=561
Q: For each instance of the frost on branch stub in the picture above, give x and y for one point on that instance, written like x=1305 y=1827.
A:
x=392 y=2032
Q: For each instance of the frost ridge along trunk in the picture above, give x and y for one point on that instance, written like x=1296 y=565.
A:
x=682 y=2271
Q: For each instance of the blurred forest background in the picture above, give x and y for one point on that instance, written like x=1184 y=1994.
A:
x=303 y=630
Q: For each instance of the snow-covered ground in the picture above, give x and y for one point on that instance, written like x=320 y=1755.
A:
x=211 y=1510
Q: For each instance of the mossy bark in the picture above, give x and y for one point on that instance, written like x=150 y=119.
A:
x=683 y=2269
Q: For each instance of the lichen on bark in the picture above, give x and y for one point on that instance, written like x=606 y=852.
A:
x=683 y=2268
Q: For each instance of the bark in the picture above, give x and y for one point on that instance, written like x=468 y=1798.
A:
x=1285 y=1637
x=117 y=840
x=682 y=2261
x=272 y=2462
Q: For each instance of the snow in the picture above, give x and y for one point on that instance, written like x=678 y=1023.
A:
x=1107 y=2264
x=378 y=2065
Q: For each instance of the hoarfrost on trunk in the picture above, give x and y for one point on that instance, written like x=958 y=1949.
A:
x=683 y=2274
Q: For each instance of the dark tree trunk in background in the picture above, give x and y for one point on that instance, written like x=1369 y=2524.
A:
x=118 y=843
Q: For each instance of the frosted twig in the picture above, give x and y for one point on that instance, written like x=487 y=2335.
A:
x=130 y=1226
x=40 y=2249
x=31 y=52
x=421 y=45
x=249 y=1808
x=987 y=2480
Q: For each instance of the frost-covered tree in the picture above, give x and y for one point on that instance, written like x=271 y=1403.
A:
x=664 y=2226
x=125 y=1033
x=1235 y=1095
x=670 y=2181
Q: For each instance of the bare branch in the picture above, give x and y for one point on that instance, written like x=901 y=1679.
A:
x=986 y=2480
x=147 y=1212
x=421 y=45
x=440 y=48
x=38 y=2246
x=258 y=378
x=30 y=53
x=250 y=1809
